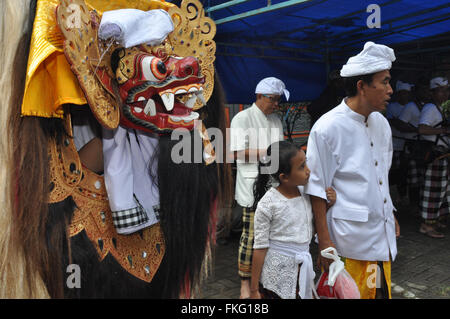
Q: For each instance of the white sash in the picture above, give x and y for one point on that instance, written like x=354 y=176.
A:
x=302 y=256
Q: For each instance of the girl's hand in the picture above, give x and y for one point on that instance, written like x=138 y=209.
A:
x=331 y=196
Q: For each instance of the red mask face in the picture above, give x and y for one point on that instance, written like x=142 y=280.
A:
x=158 y=91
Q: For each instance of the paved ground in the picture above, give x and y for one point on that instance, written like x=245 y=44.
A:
x=421 y=269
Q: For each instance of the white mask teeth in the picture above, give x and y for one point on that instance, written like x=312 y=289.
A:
x=186 y=119
x=191 y=101
x=181 y=91
x=201 y=97
x=175 y=118
x=168 y=100
x=191 y=117
x=150 y=108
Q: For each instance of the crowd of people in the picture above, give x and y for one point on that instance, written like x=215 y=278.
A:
x=421 y=142
x=339 y=192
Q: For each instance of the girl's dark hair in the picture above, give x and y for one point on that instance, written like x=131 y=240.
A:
x=350 y=83
x=286 y=151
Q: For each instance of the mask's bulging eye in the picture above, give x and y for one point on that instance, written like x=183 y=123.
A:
x=153 y=69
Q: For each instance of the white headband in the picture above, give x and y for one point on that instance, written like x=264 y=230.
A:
x=438 y=82
x=403 y=86
x=272 y=85
x=373 y=58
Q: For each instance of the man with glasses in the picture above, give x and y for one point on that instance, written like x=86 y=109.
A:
x=251 y=132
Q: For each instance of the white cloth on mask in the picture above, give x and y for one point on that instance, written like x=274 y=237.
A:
x=403 y=86
x=438 y=82
x=272 y=85
x=127 y=156
x=372 y=59
x=131 y=27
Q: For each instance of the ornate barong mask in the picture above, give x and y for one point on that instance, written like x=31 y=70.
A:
x=150 y=88
x=176 y=75
x=158 y=91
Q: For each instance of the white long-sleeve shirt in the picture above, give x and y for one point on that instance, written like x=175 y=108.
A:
x=393 y=111
x=354 y=157
x=411 y=115
x=251 y=129
x=431 y=116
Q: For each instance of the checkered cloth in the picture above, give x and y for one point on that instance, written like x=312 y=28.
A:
x=129 y=217
x=436 y=192
x=246 y=243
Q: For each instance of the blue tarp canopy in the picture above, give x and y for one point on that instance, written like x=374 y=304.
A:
x=300 y=41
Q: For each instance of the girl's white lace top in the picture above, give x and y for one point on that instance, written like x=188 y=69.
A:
x=288 y=222
x=282 y=219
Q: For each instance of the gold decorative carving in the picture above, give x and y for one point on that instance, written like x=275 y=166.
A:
x=193 y=36
x=82 y=51
x=140 y=254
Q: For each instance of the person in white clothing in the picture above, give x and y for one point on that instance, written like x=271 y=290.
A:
x=408 y=123
x=350 y=149
x=435 y=197
x=398 y=172
x=251 y=132
x=282 y=265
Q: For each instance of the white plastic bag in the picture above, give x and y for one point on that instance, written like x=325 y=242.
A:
x=337 y=283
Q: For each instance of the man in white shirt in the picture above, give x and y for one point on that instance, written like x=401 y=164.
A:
x=435 y=197
x=251 y=132
x=350 y=149
x=409 y=124
x=398 y=170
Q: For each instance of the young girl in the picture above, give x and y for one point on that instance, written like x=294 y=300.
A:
x=283 y=228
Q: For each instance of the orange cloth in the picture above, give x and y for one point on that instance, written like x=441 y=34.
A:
x=53 y=84
x=365 y=274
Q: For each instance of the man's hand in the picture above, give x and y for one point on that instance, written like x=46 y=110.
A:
x=397 y=228
x=322 y=262
x=319 y=207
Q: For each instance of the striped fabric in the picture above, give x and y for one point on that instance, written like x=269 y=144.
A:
x=436 y=191
x=246 y=244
